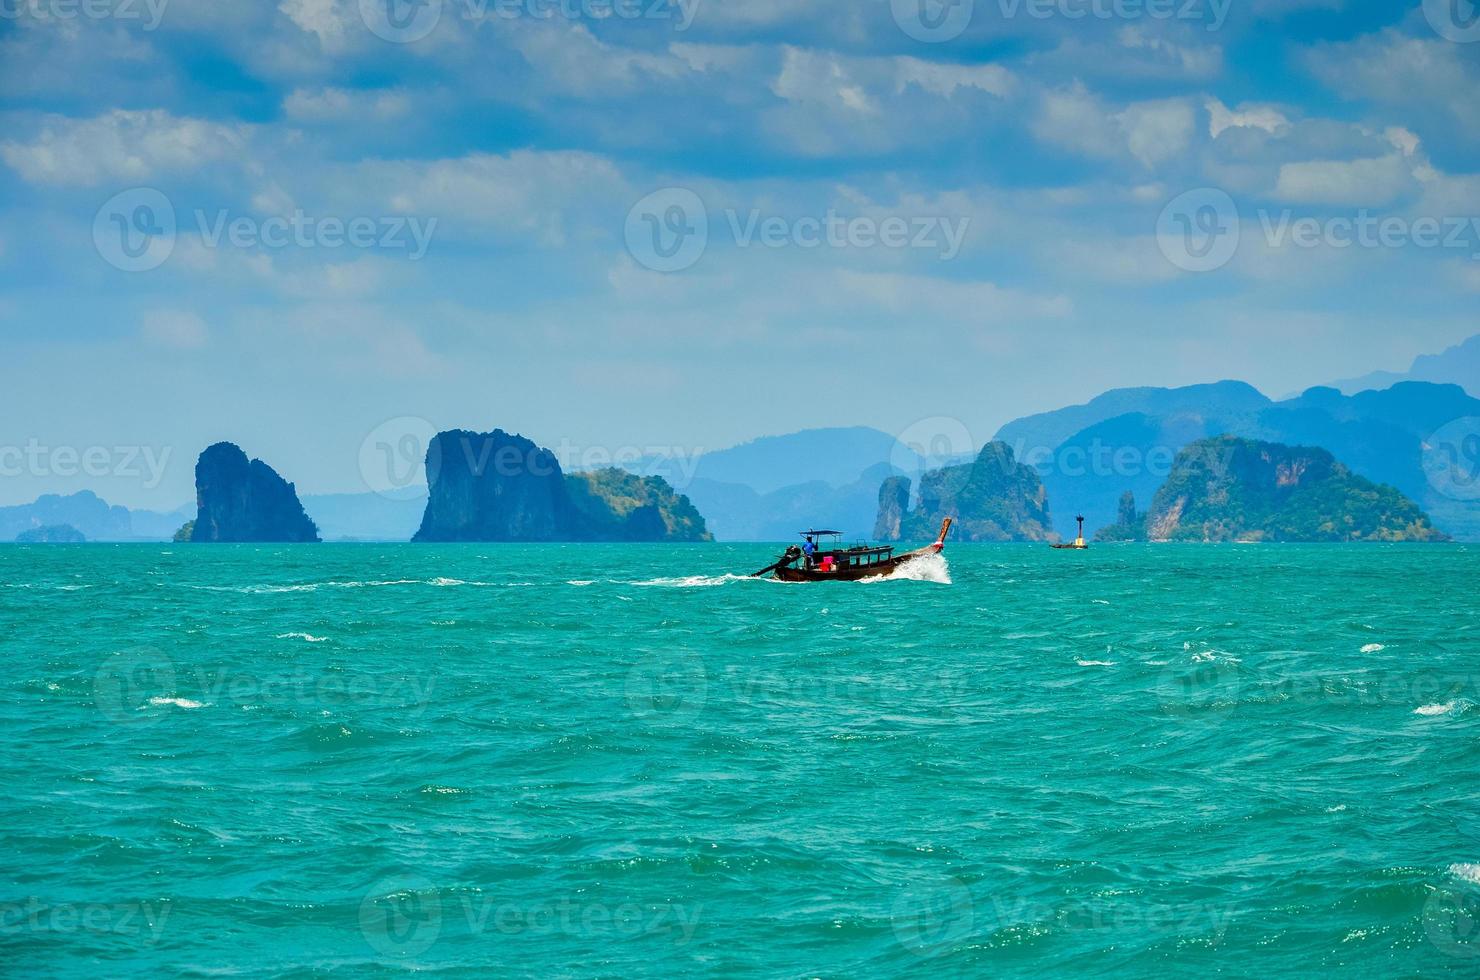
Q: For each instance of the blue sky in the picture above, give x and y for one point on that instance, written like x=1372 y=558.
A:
x=1028 y=206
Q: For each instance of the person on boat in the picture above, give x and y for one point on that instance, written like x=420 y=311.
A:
x=810 y=550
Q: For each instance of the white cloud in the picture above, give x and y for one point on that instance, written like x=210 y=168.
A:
x=817 y=77
x=1076 y=120
x=968 y=302
x=122 y=144
x=572 y=60
x=328 y=20
x=524 y=194
x=1431 y=78
x=1157 y=131
x=944 y=79
x=332 y=104
x=1371 y=182
x=1152 y=132
x=1247 y=116
x=175 y=329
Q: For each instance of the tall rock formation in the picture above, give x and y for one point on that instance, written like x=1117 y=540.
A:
x=992 y=498
x=894 y=504
x=499 y=487
x=493 y=486
x=245 y=500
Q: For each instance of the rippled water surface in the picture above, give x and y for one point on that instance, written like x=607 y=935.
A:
x=613 y=761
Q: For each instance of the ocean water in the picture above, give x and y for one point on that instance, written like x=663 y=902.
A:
x=614 y=761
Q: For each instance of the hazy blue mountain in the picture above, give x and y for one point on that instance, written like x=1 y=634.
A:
x=735 y=512
x=1213 y=406
x=394 y=516
x=151 y=525
x=833 y=456
x=1458 y=365
x=94 y=517
x=769 y=488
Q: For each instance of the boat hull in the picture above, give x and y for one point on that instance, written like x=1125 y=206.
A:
x=791 y=573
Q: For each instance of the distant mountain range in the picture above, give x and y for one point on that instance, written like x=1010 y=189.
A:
x=1458 y=365
x=93 y=517
x=1087 y=456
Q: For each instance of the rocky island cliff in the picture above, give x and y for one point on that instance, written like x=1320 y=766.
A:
x=992 y=498
x=495 y=486
x=1232 y=489
x=238 y=499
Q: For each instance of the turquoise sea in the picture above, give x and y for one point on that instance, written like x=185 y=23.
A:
x=616 y=761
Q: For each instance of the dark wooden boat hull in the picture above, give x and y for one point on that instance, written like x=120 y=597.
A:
x=791 y=569
x=883 y=569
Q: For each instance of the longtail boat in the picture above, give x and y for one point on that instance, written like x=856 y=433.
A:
x=836 y=563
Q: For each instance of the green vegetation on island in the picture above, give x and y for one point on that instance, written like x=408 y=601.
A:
x=622 y=506
x=992 y=498
x=51 y=534
x=1233 y=489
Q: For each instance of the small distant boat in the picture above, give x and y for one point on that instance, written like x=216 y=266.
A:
x=836 y=563
x=1078 y=544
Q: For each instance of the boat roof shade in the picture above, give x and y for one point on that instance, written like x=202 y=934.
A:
x=814 y=533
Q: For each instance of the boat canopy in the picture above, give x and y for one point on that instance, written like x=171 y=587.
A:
x=810 y=534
